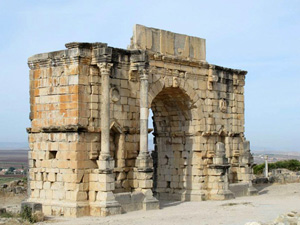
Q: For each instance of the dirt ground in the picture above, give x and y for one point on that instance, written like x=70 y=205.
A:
x=12 y=203
x=271 y=202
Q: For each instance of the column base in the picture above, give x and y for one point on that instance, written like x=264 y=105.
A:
x=193 y=195
x=221 y=195
x=106 y=165
x=252 y=190
x=144 y=163
x=150 y=204
x=62 y=208
x=105 y=208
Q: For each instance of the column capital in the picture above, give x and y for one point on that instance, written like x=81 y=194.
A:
x=144 y=73
x=105 y=67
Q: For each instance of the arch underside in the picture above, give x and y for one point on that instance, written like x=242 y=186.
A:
x=172 y=119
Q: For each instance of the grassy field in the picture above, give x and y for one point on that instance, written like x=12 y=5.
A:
x=5 y=180
x=13 y=158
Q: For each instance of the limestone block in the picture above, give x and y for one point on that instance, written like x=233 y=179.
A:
x=58 y=194
x=161 y=184
x=69 y=186
x=137 y=197
x=39 y=185
x=215 y=172
x=134 y=183
x=106 y=178
x=93 y=177
x=144 y=163
x=145 y=183
x=106 y=164
x=47 y=210
x=167 y=42
x=57 y=211
x=57 y=186
x=81 y=195
x=106 y=186
x=35 y=193
x=38 y=176
x=52 y=177
x=123 y=198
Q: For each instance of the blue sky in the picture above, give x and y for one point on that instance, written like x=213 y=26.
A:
x=261 y=37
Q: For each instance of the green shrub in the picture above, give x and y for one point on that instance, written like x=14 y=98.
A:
x=7 y=215
x=26 y=214
x=24 y=179
x=11 y=169
x=292 y=164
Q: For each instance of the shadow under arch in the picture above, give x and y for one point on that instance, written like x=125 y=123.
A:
x=172 y=155
x=196 y=100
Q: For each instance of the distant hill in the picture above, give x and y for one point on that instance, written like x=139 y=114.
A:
x=14 y=146
x=273 y=152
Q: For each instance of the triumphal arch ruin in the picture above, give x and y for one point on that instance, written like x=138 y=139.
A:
x=89 y=126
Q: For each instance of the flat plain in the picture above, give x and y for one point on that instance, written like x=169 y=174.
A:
x=13 y=158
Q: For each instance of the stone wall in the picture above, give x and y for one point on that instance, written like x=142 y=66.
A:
x=89 y=125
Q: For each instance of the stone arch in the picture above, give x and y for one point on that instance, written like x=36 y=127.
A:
x=172 y=107
x=167 y=81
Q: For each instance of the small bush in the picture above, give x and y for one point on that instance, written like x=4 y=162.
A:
x=292 y=164
x=24 y=179
x=11 y=169
x=26 y=214
x=7 y=215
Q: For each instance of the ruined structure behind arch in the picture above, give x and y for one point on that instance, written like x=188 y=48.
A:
x=88 y=135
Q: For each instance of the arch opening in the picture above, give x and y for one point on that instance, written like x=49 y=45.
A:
x=172 y=120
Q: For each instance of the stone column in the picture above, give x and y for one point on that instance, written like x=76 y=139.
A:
x=105 y=158
x=144 y=114
x=104 y=179
x=144 y=163
x=266 y=167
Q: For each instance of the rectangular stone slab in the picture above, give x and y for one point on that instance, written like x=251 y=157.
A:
x=168 y=43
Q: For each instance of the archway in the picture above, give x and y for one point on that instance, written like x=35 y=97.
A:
x=172 y=119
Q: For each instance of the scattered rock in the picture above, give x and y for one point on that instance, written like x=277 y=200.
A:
x=2 y=210
x=291 y=218
x=15 y=187
x=38 y=216
x=260 y=180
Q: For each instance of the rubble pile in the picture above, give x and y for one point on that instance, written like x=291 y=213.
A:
x=13 y=188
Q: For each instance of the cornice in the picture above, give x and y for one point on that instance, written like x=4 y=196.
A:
x=192 y=63
x=76 y=52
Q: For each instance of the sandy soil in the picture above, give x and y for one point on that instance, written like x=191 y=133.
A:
x=271 y=202
x=12 y=203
